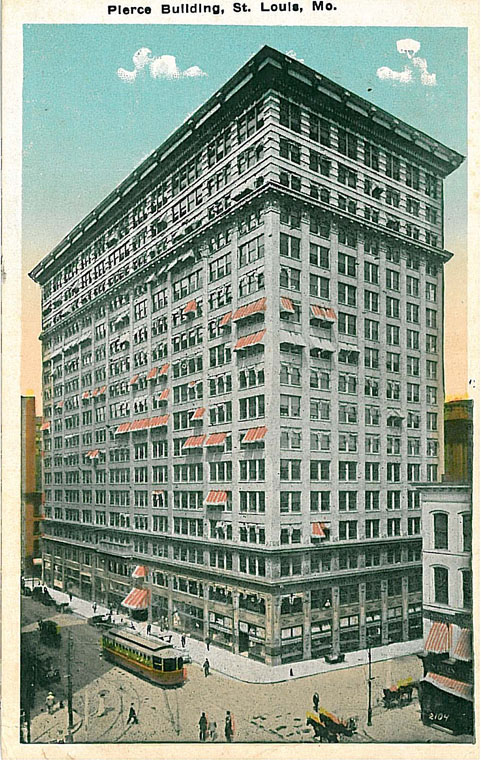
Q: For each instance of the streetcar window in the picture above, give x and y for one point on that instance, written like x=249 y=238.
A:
x=180 y=663
x=157 y=663
x=169 y=665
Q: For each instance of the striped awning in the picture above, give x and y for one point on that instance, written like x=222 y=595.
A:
x=199 y=413
x=194 y=442
x=317 y=529
x=450 y=685
x=134 y=380
x=251 y=308
x=60 y=405
x=216 y=439
x=96 y=392
x=158 y=421
x=93 y=454
x=438 y=639
x=287 y=305
x=140 y=571
x=143 y=424
x=164 y=395
x=86 y=394
x=123 y=428
x=225 y=319
x=323 y=312
x=216 y=497
x=137 y=599
x=192 y=383
x=164 y=369
x=102 y=390
x=45 y=426
x=190 y=308
x=463 y=649
x=255 y=434
x=152 y=373
x=249 y=340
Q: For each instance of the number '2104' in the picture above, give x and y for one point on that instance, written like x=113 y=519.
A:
x=438 y=716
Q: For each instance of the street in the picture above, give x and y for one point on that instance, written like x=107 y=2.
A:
x=262 y=712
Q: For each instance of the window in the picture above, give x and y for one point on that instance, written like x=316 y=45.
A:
x=290 y=246
x=372 y=471
x=348 y=442
x=394 y=526
x=318 y=286
x=431 y=421
x=346 y=264
x=318 y=255
x=290 y=406
x=392 y=167
x=290 y=469
x=393 y=197
x=392 y=361
x=372 y=528
x=347 y=413
x=320 y=440
x=371 y=358
x=291 y=278
x=371 y=301
x=414 y=526
x=347 y=471
x=393 y=472
x=467 y=583
x=371 y=501
x=371 y=273
x=253 y=406
x=319 y=470
x=414 y=500
x=412 y=206
x=440 y=530
x=347 y=530
x=347 y=143
x=393 y=335
x=371 y=156
x=253 y=469
x=412 y=176
x=372 y=415
x=346 y=294
x=319 y=130
x=251 y=251
x=347 y=323
x=346 y=176
x=289 y=115
x=373 y=444
x=431 y=185
x=441 y=581
x=394 y=499
x=319 y=409
x=347 y=501
x=467 y=532
x=320 y=501
x=290 y=501
x=371 y=329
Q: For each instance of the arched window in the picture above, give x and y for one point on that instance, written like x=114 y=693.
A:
x=467 y=532
x=441 y=585
x=440 y=530
x=467 y=588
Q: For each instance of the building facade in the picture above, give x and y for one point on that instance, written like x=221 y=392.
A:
x=31 y=497
x=243 y=372
x=446 y=693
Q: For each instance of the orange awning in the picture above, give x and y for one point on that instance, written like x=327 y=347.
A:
x=96 y=392
x=216 y=439
x=45 y=426
x=323 y=312
x=225 y=319
x=190 y=307
x=317 y=529
x=192 y=383
x=152 y=373
x=140 y=572
x=86 y=394
x=60 y=405
x=102 y=390
x=463 y=650
x=438 y=639
x=199 y=413
x=194 y=442
x=251 y=308
x=164 y=369
x=134 y=380
x=255 y=434
x=93 y=454
x=450 y=685
x=123 y=428
x=287 y=305
x=216 y=497
x=137 y=599
x=158 y=421
x=250 y=340
x=164 y=395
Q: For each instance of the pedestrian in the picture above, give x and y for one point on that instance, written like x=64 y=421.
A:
x=50 y=701
x=206 y=667
x=94 y=607
x=70 y=596
x=203 y=727
x=207 y=643
x=182 y=640
x=315 y=701
x=229 y=727
x=132 y=715
x=213 y=730
x=132 y=625
x=291 y=672
x=149 y=628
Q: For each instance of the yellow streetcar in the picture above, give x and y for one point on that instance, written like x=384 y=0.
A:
x=158 y=662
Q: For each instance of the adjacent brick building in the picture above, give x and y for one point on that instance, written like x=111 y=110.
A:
x=31 y=496
x=243 y=371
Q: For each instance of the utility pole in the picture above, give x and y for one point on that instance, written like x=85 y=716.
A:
x=369 y=685
x=69 y=689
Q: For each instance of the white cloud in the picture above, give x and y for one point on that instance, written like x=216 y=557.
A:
x=409 y=48
x=160 y=67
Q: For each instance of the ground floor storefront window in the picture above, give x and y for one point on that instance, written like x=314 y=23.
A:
x=349 y=633
x=291 y=644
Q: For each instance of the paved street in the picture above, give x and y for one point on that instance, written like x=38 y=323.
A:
x=274 y=712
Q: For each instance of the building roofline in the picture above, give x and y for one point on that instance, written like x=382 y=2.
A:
x=265 y=56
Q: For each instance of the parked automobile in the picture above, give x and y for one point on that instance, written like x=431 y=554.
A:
x=101 y=621
x=332 y=659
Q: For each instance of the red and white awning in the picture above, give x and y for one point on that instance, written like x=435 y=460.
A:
x=93 y=454
x=60 y=405
x=216 y=497
x=158 y=421
x=255 y=434
x=164 y=395
x=190 y=308
x=323 y=312
x=140 y=571
x=45 y=425
x=194 y=442
x=318 y=529
x=96 y=392
x=134 y=380
x=438 y=639
x=251 y=308
x=144 y=424
x=225 y=319
x=124 y=427
x=86 y=394
x=164 y=369
x=287 y=305
x=152 y=373
x=137 y=599
x=199 y=413
x=450 y=685
x=216 y=439
x=102 y=390
x=463 y=649
x=250 y=340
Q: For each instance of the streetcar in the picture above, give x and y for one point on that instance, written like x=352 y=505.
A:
x=158 y=662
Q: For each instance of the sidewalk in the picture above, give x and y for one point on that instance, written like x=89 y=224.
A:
x=238 y=666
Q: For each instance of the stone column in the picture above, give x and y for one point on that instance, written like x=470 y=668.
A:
x=362 y=616
x=273 y=632
x=306 y=607
x=206 y=610
x=384 y=631
x=405 y=605
x=336 y=643
x=235 y=621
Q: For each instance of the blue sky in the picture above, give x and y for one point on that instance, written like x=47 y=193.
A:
x=84 y=129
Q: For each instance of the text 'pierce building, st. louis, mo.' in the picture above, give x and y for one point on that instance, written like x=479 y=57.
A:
x=243 y=372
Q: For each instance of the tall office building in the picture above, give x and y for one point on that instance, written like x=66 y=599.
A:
x=243 y=371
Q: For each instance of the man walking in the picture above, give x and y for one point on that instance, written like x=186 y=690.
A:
x=213 y=730
x=50 y=701
x=149 y=628
x=203 y=727
x=207 y=643
x=228 y=728
x=132 y=715
x=182 y=640
x=206 y=667
x=315 y=701
x=94 y=607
